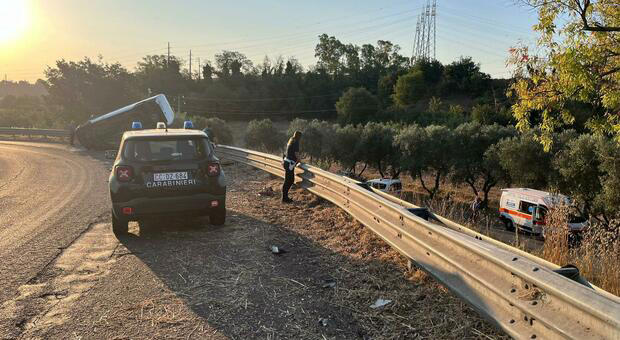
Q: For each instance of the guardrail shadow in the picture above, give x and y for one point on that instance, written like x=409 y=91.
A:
x=233 y=283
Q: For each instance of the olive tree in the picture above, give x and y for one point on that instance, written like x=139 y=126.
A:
x=579 y=172
x=609 y=199
x=376 y=148
x=472 y=165
x=318 y=139
x=525 y=161
x=262 y=135
x=347 y=152
x=426 y=150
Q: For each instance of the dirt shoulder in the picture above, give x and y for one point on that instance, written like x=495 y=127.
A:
x=190 y=280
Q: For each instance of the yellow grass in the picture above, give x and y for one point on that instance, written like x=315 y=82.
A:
x=597 y=255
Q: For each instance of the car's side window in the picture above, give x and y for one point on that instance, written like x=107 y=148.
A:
x=526 y=207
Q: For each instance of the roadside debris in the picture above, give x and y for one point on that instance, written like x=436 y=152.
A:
x=380 y=303
x=267 y=191
x=323 y=321
x=329 y=284
x=277 y=250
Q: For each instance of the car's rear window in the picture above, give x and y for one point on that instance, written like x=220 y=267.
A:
x=166 y=149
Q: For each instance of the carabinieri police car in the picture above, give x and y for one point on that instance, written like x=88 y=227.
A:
x=166 y=172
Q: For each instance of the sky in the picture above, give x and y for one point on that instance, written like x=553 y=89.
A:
x=36 y=33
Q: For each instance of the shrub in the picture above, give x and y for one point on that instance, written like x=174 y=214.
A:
x=456 y=110
x=486 y=114
x=434 y=105
x=311 y=140
x=222 y=134
x=262 y=135
x=219 y=131
x=356 y=106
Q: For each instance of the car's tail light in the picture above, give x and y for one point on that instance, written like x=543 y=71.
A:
x=215 y=204
x=127 y=210
x=124 y=173
x=213 y=169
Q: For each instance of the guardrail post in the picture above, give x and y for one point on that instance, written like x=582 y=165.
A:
x=488 y=225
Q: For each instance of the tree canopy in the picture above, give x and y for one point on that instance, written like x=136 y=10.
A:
x=580 y=64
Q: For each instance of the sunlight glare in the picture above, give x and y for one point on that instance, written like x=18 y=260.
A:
x=13 y=19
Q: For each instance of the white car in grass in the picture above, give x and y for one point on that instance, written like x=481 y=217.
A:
x=388 y=185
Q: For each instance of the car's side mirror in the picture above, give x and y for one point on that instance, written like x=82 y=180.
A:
x=111 y=154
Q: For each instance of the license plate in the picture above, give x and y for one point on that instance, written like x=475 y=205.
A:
x=169 y=176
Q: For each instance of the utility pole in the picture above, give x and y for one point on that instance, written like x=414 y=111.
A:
x=179 y=97
x=198 y=68
x=190 y=64
x=168 y=60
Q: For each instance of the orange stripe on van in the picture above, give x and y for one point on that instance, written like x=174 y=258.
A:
x=516 y=213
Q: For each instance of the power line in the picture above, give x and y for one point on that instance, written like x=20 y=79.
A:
x=123 y=57
x=261 y=99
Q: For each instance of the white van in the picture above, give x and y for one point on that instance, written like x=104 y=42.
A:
x=526 y=209
x=391 y=186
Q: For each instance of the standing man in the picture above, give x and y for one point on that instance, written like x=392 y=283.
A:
x=291 y=158
x=475 y=207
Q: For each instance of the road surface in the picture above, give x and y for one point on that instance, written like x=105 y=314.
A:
x=48 y=197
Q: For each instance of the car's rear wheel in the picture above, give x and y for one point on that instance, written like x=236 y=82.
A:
x=217 y=216
x=119 y=226
x=509 y=225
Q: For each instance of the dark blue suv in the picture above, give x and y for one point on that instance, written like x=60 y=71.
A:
x=166 y=172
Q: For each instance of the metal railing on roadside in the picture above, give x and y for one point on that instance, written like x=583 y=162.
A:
x=522 y=294
x=34 y=132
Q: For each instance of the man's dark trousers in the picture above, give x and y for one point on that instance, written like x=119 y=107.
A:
x=289 y=179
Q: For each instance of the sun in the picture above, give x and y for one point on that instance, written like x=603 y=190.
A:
x=13 y=19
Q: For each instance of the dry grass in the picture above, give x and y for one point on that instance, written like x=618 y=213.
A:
x=597 y=254
x=366 y=268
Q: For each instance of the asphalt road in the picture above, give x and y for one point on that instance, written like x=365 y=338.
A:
x=49 y=195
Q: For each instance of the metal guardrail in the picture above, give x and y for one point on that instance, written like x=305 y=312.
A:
x=34 y=132
x=517 y=291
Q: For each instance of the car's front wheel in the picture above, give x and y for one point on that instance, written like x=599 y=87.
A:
x=508 y=225
x=119 y=226
x=217 y=216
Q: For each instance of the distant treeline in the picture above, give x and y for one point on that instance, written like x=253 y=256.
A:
x=21 y=88
x=233 y=87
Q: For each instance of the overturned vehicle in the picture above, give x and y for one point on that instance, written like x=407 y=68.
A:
x=105 y=131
